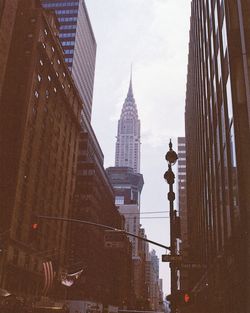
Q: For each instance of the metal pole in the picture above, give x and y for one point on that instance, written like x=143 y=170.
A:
x=171 y=197
x=171 y=158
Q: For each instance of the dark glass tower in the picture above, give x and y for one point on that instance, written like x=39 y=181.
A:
x=218 y=155
x=79 y=45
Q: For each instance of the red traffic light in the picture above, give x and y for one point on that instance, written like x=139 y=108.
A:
x=34 y=226
x=186 y=298
x=34 y=232
x=180 y=298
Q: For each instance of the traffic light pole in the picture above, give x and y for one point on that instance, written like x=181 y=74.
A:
x=65 y=219
x=171 y=197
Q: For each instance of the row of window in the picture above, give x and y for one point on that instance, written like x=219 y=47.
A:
x=60 y=4
x=66 y=11
x=68 y=43
x=67 y=27
x=67 y=19
x=67 y=35
x=69 y=51
x=68 y=60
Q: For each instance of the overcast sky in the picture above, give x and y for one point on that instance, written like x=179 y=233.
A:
x=153 y=36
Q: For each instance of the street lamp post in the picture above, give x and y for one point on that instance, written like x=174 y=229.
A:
x=171 y=157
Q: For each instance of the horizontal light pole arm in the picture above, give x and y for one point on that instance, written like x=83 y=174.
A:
x=65 y=219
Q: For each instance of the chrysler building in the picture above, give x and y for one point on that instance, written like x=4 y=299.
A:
x=127 y=152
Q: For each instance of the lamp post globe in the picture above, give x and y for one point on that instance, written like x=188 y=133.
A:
x=171 y=156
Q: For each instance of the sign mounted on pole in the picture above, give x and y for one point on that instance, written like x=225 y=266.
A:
x=171 y=258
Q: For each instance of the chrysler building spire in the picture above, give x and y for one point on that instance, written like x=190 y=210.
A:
x=128 y=136
x=130 y=89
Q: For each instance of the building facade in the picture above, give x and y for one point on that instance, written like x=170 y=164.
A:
x=182 y=207
x=79 y=45
x=40 y=125
x=154 y=284
x=218 y=155
x=7 y=19
x=127 y=187
x=108 y=269
x=128 y=151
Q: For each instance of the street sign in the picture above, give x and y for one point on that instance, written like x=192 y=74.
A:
x=191 y=266
x=171 y=258
x=114 y=244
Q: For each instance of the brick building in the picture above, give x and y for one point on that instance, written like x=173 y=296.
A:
x=40 y=124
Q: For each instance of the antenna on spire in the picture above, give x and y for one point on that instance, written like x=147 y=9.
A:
x=131 y=71
x=130 y=89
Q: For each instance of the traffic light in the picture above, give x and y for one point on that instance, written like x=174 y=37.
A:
x=187 y=298
x=34 y=230
x=180 y=298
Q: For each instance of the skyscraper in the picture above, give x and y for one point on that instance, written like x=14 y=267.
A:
x=182 y=205
x=79 y=45
x=127 y=181
x=127 y=152
x=40 y=121
x=125 y=177
x=218 y=155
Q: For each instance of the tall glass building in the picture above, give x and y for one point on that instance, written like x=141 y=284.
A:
x=218 y=155
x=79 y=45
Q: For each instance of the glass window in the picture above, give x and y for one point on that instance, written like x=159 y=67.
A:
x=229 y=99
x=67 y=35
x=119 y=200
x=224 y=36
x=219 y=65
x=67 y=27
x=215 y=17
x=233 y=149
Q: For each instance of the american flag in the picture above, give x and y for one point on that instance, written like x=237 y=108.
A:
x=48 y=276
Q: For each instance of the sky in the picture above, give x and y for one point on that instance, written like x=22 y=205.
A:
x=152 y=36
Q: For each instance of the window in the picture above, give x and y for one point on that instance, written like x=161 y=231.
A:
x=67 y=19
x=67 y=35
x=119 y=200
x=68 y=43
x=68 y=51
x=67 y=27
